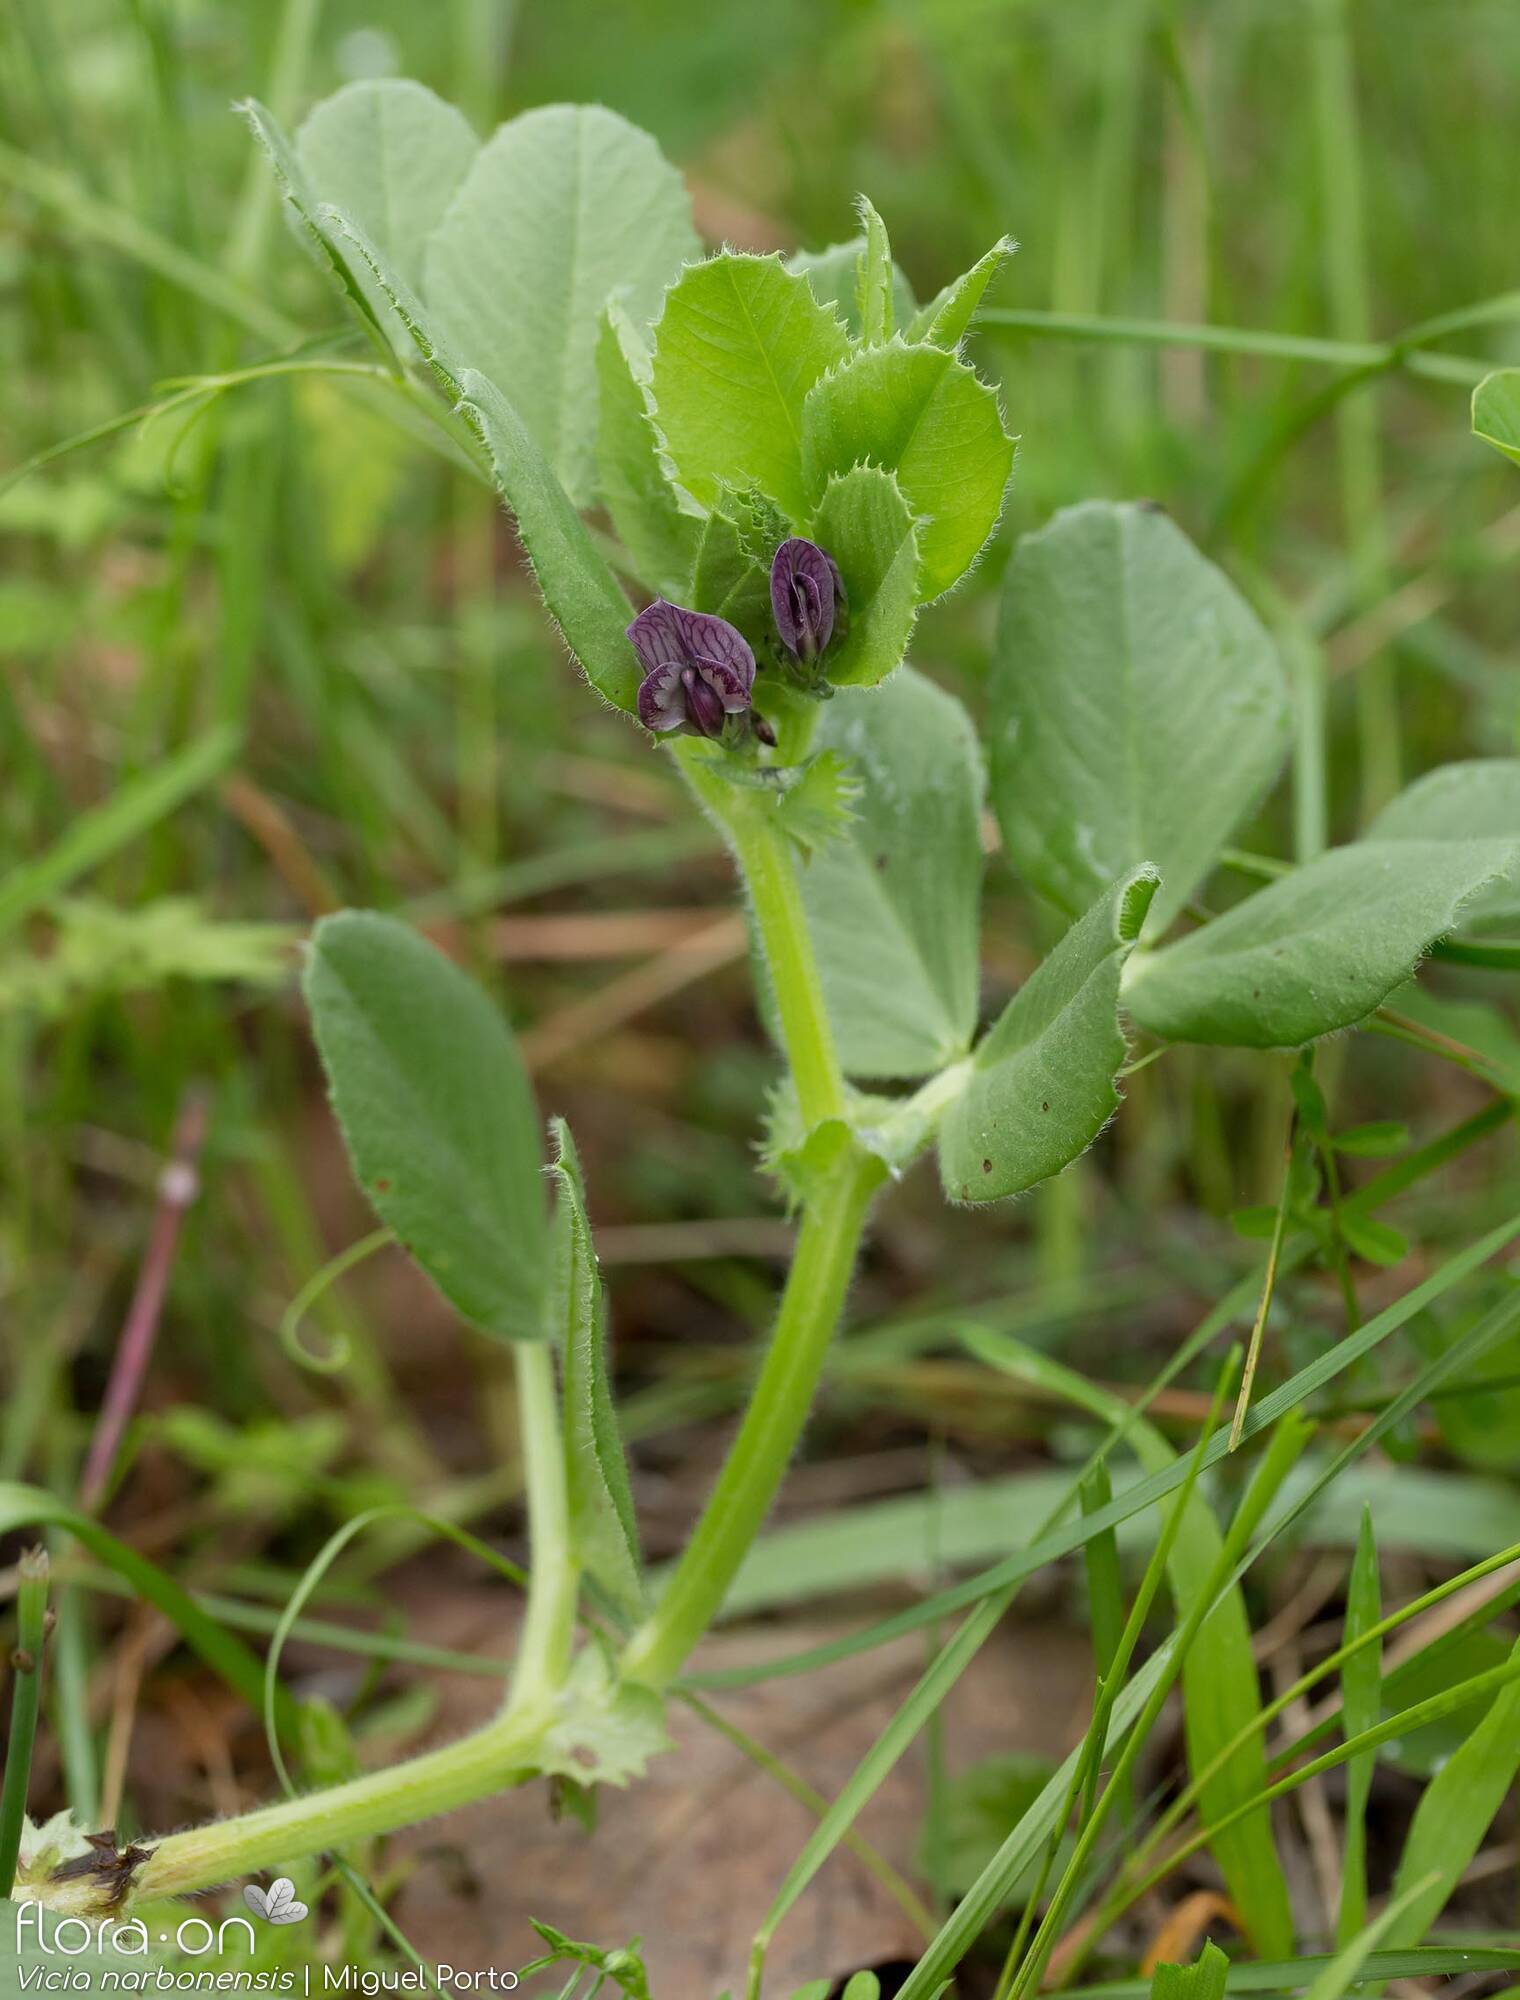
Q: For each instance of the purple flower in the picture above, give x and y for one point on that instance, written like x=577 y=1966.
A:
x=807 y=593
x=697 y=669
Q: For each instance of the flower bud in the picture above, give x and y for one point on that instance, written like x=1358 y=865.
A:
x=807 y=594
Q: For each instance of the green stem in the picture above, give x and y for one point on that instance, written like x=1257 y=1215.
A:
x=548 y=1634
x=747 y=819
x=489 y=1760
x=26 y=1662
x=438 y=1781
x=810 y=1309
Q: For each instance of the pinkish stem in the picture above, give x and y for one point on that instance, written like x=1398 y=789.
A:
x=178 y=1186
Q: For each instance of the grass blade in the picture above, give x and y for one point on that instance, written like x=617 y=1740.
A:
x=1361 y=1704
x=30 y=1507
x=95 y=836
x=26 y=1662
x=1222 y=1695
x=1456 y=1811
x=1062 y=1542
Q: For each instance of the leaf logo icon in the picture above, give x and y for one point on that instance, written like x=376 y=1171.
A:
x=277 y=1904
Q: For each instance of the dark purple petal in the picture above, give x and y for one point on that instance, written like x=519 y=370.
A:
x=657 y=637
x=698 y=669
x=662 y=699
x=714 y=646
x=805 y=592
x=704 y=704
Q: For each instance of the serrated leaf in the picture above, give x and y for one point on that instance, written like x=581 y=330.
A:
x=834 y=274
x=867 y=527
x=802 y=1159
x=563 y=206
x=606 y=1730
x=437 y=1114
x=303 y=206
x=602 y=1530
x=385 y=292
x=1137 y=710
x=892 y=907
x=1496 y=411
x=873 y=292
x=656 y=523
x=947 y=318
x=1042 y=1084
x=580 y=591
x=739 y=344
x=923 y=415
x=1316 y=950
x=1478 y=799
x=1203 y=1980
x=389 y=154
x=728 y=581
x=819 y=806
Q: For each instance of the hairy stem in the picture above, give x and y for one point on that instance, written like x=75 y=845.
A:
x=748 y=821
x=490 y=1760
x=487 y=1761
x=548 y=1634
x=757 y=1462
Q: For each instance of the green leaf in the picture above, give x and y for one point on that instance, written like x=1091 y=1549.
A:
x=606 y=1730
x=1361 y=1708
x=981 y=1803
x=1374 y=1241
x=302 y=201
x=602 y=1528
x=656 y=522
x=390 y=155
x=1476 y=800
x=384 y=292
x=1496 y=411
x=867 y=527
x=437 y=1113
x=818 y=806
x=1042 y=1083
x=580 y=591
x=834 y=275
x=1379 y=1140
x=1482 y=1425
x=946 y=320
x=1203 y=1980
x=1316 y=950
x=740 y=343
x=920 y=413
x=563 y=206
x=726 y=579
x=892 y=906
x=1454 y=1814
x=1137 y=710
x=874 y=284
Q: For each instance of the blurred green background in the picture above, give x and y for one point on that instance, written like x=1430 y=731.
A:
x=295 y=562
